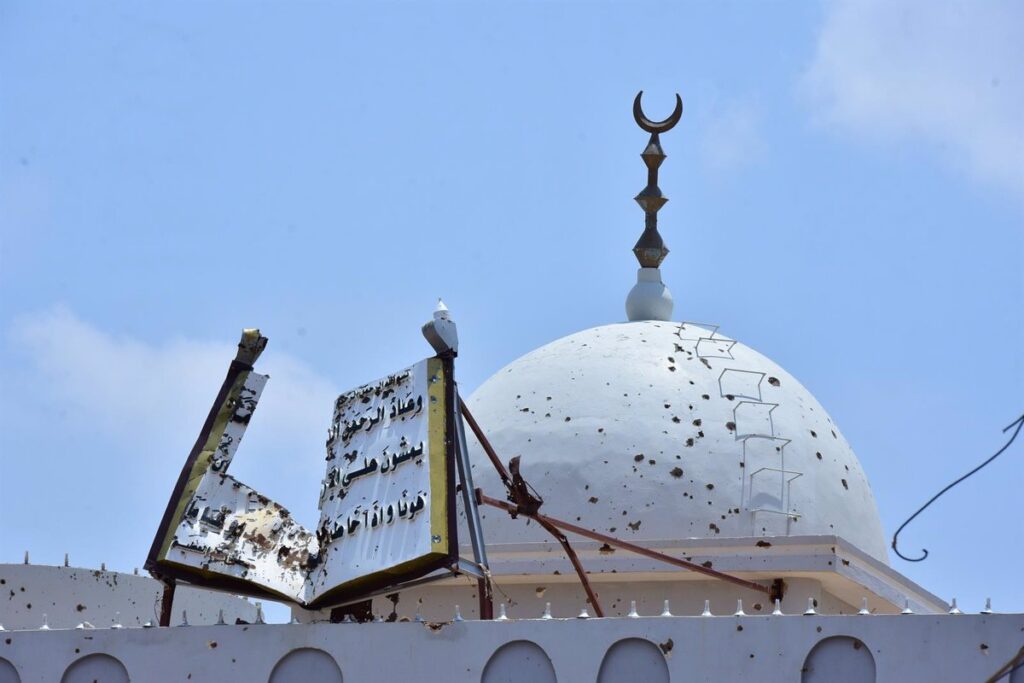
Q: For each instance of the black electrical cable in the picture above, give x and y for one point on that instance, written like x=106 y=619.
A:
x=1018 y=423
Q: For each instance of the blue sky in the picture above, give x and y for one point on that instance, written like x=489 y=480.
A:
x=847 y=197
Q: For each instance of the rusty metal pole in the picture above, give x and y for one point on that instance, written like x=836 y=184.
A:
x=506 y=478
x=166 y=602
x=575 y=560
x=626 y=545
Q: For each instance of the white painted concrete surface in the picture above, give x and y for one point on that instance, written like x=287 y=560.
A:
x=71 y=595
x=658 y=431
x=767 y=649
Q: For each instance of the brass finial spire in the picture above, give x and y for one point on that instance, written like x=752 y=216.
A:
x=650 y=299
x=650 y=249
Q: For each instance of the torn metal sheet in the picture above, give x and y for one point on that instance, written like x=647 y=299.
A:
x=385 y=502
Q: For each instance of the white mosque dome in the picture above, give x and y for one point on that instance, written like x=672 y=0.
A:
x=661 y=431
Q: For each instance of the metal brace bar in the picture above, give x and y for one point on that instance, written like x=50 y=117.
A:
x=472 y=514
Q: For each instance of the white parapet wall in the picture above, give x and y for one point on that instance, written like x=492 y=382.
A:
x=767 y=649
x=68 y=596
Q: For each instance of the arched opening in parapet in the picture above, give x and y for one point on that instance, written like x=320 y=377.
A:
x=96 y=669
x=633 y=660
x=8 y=674
x=839 y=659
x=519 y=662
x=306 y=665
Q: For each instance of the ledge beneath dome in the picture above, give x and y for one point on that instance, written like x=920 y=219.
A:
x=842 y=570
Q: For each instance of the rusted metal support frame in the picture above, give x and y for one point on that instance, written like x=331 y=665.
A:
x=580 y=572
x=631 y=547
x=506 y=478
x=167 y=602
x=1009 y=668
x=485 y=592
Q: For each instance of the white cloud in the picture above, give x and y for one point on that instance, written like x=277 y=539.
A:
x=948 y=73
x=152 y=398
x=731 y=137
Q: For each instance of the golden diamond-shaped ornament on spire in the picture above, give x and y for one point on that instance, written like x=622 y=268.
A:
x=650 y=249
x=650 y=299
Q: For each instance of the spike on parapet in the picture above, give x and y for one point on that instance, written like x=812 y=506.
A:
x=502 y=614
x=988 y=606
x=739 y=609
x=650 y=299
x=707 y=609
x=864 y=611
x=810 y=611
x=666 y=612
x=632 y=610
x=777 y=612
x=906 y=607
x=584 y=614
x=458 y=614
x=953 y=609
x=547 y=611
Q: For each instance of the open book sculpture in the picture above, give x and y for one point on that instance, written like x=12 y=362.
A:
x=386 y=503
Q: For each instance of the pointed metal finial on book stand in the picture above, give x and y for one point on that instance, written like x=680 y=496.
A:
x=650 y=299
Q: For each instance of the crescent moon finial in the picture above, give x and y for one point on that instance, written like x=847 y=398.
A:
x=656 y=127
